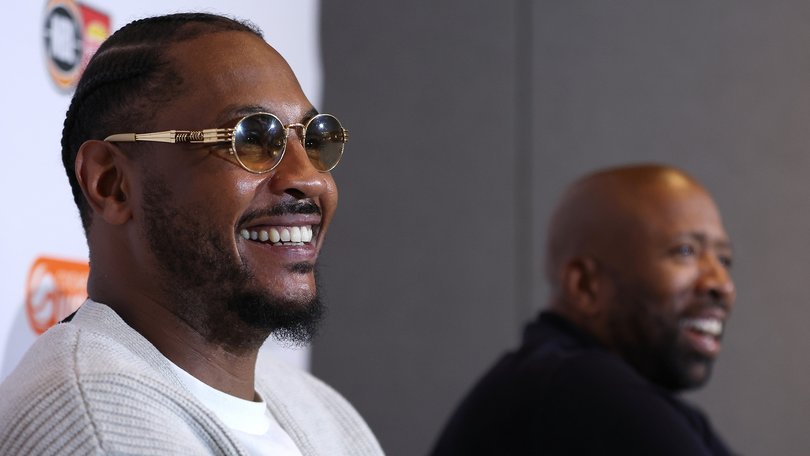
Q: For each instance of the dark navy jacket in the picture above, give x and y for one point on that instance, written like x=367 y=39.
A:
x=562 y=393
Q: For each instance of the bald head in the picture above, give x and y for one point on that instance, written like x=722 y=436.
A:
x=607 y=206
x=638 y=257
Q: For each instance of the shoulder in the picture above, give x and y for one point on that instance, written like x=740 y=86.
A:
x=505 y=410
x=317 y=415
x=546 y=397
x=536 y=372
x=599 y=395
x=42 y=385
x=78 y=391
x=68 y=352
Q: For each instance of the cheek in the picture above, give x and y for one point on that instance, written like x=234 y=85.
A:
x=244 y=189
x=656 y=286
x=222 y=195
x=672 y=285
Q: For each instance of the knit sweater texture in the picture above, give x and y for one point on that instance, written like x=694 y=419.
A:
x=95 y=386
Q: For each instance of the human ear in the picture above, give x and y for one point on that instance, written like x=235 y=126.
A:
x=581 y=285
x=101 y=172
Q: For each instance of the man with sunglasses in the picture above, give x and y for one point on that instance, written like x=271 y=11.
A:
x=637 y=259
x=201 y=173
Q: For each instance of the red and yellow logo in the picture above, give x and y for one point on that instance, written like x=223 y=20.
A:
x=73 y=32
x=55 y=289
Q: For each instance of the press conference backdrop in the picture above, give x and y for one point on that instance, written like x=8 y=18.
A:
x=43 y=254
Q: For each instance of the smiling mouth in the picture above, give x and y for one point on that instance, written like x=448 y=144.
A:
x=703 y=334
x=707 y=326
x=280 y=235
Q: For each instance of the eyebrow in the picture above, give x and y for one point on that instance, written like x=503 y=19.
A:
x=242 y=111
x=722 y=243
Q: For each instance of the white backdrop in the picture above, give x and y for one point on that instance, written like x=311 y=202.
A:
x=39 y=218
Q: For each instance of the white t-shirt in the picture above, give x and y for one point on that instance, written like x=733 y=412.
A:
x=250 y=422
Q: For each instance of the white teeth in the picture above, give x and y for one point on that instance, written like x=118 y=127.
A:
x=295 y=234
x=711 y=326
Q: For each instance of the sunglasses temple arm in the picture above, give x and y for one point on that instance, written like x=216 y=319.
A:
x=161 y=136
x=211 y=135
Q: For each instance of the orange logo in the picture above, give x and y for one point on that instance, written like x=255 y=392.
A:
x=55 y=289
x=73 y=32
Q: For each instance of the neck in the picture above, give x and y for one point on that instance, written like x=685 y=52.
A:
x=226 y=368
x=193 y=328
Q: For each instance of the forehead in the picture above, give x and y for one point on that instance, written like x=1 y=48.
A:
x=667 y=211
x=228 y=71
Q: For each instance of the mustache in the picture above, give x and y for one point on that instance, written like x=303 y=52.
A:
x=283 y=208
x=709 y=303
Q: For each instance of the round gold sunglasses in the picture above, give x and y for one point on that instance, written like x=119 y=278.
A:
x=258 y=140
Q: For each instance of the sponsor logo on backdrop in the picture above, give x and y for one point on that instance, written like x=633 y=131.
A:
x=55 y=288
x=73 y=32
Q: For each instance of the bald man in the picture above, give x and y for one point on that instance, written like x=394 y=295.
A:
x=638 y=263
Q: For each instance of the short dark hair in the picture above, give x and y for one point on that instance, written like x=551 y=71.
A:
x=126 y=78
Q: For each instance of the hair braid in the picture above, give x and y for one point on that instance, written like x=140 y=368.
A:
x=126 y=80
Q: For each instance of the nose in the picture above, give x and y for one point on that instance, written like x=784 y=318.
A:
x=295 y=175
x=715 y=281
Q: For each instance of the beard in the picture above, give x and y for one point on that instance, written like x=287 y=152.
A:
x=650 y=340
x=210 y=289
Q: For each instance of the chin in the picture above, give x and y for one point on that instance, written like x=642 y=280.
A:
x=692 y=376
x=294 y=317
x=302 y=268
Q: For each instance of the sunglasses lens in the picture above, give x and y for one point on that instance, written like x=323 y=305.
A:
x=325 y=138
x=259 y=140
